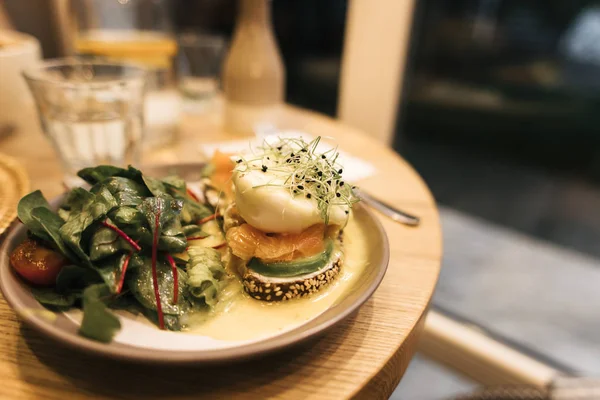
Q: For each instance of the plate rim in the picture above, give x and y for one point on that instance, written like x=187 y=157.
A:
x=144 y=355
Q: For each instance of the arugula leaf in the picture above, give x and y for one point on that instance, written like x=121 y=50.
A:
x=88 y=209
x=49 y=297
x=99 y=173
x=98 y=323
x=139 y=281
x=205 y=270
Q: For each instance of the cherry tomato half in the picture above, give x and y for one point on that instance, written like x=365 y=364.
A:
x=36 y=263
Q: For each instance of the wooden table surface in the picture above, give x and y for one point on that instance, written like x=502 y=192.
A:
x=363 y=357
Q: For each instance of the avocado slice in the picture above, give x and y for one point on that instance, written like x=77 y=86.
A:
x=287 y=269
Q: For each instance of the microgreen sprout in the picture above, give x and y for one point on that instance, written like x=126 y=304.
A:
x=300 y=168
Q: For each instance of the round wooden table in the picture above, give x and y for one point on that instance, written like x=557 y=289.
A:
x=363 y=357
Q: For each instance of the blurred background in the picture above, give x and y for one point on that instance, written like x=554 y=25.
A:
x=499 y=111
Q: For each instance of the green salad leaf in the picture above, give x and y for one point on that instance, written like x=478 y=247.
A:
x=85 y=210
x=107 y=233
x=127 y=192
x=105 y=242
x=110 y=270
x=34 y=211
x=205 y=272
x=98 y=323
x=73 y=279
x=50 y=298
x=51 y=224
x=141 y=285
x=171 y=239
x=99 y=173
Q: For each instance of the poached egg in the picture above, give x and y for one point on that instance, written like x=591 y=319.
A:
x=264 y=201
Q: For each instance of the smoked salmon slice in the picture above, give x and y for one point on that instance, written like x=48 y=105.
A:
x=247 y=242
x=221 y=177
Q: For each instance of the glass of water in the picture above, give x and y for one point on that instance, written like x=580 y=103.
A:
x=92 y=111
x=198 y=67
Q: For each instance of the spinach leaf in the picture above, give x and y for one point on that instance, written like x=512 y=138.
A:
x=193 y=230
x=110 y=270
x=127 y=216
x=171 y=236
x=76 y=199
x=175 y=183
x=51 y=224
x=140 y=282
x=63 y=213
x=205 y=272
x=73 y=279
x=88 y=209
x=99 y=173
x=193 y=211
x=98 y=323
x=156 y=186
x=28 y=203
x=34 y=211
x=126 y=191
x=105 y=242
x=172 y=322
x=49 y=297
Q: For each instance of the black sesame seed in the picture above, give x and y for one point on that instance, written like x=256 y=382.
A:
x=340 y=171
x=308 y=196
x=323 y=156
x=279 y=147
x=292 y=155
x=341 y=183
x=303 y=150
x=318 y=186
x=264 y=168
x=347 y=212
x=295 y=191
x=320 y=173
x=338 y=194
x=300 y=187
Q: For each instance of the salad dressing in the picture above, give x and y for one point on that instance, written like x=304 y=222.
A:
x=239 y=317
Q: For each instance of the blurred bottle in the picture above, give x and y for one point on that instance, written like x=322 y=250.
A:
x=253 y=76
x=138 y=31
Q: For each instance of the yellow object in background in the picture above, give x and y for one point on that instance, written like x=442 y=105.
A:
x=153 y=49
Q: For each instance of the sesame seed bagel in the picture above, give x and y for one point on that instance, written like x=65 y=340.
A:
x=268 y=288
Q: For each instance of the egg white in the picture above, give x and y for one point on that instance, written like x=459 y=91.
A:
x=273 y=208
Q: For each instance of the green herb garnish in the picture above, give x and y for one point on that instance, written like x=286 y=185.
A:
x=301 y=169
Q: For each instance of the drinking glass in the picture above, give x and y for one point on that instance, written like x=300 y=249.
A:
x=198 y=66
x=139 y=31
x=92 y=111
